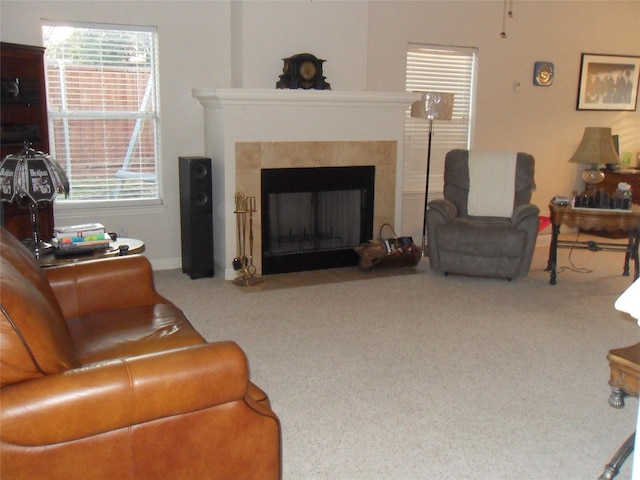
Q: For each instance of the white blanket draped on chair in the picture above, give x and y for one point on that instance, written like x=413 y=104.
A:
x=492 y=177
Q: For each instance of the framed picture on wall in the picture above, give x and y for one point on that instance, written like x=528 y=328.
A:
x=608 y=82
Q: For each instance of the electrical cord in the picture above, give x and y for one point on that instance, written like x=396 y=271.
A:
x=591 y=245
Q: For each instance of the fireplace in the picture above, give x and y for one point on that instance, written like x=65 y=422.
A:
x=249 y=130
x=313 y=217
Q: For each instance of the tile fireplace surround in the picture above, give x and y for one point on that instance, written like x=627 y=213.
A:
x=250 y=129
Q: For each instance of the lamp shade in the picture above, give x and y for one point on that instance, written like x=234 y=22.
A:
x=31 y=176
x=596 y=147
x=433 y=106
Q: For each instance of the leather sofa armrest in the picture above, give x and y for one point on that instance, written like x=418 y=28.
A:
x=523 y=212
x=442 y=209
x=93 y=286
x=105 y=397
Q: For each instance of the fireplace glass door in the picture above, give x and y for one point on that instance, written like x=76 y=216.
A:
x=313 y=217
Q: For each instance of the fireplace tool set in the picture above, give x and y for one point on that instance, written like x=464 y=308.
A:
x=245 y=207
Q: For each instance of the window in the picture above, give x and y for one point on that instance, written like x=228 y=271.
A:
x=438 y=69
x=102 y=101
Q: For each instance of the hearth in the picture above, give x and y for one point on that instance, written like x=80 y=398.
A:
x=313 y=217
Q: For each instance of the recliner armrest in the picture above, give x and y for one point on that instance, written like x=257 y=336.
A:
x=105 y=397
x=523 y=212
x=444 y=209
x=90 y=287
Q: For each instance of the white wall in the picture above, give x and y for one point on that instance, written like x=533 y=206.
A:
x=241 y=44
x=540 y=120
x=194 y=44
x=331 y=30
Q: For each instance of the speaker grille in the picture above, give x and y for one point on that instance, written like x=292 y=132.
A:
x=201 y=199
x=200 y=170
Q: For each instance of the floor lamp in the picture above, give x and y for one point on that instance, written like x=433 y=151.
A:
x=432 y=106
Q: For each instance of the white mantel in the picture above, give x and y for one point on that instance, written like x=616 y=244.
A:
x=286 y=98
x=233 y=115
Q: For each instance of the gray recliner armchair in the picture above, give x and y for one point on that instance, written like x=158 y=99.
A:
x=482 y=245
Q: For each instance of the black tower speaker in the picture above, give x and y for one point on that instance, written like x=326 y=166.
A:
x=196 y=217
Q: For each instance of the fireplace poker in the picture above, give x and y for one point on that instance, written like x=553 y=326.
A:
x=243 y=225
x=237 y=262
x=252 y=208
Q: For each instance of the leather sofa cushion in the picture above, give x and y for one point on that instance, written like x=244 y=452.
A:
x=34 y=339
x=468 y=237
x=85 y=288
x=131 y=332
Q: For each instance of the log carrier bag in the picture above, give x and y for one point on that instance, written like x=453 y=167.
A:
x=388 y=252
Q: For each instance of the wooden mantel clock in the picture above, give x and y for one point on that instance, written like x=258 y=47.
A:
x=303 y=70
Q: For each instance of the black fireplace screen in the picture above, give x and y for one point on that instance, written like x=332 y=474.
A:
x=313 y=217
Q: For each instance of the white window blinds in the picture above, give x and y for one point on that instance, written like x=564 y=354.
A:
x=437 y=69
x=103 y=109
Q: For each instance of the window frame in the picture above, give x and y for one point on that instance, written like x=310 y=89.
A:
x=126 y=204
x=431 y=76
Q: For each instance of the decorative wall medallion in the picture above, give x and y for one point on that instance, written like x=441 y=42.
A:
x=543 y=74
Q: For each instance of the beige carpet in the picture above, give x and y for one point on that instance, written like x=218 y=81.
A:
x=414 y=375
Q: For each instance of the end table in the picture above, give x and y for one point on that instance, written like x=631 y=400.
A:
x=599 y=219
x=120 y=246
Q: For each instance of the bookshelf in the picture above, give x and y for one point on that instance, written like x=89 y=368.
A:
x=23 y=115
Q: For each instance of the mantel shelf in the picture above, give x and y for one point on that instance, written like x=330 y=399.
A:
x=211 y=96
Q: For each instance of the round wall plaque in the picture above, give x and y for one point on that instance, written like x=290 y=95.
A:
x=543 y=74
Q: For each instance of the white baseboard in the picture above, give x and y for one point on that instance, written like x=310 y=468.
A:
x=166 y=263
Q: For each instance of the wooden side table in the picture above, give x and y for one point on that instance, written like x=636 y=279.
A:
x=625 y=373
x=624 y=380
x=599 y=219
x=121 y=246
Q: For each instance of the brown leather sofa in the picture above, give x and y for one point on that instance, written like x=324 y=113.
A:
x=103 y=378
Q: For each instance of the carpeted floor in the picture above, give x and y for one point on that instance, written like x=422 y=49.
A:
x=413 y=375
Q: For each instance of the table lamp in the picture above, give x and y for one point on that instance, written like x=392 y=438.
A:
x=596 y=147
x=432 y=106
x=31 y=178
